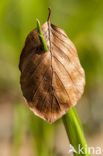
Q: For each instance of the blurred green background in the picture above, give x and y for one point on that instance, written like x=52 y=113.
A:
x=21 y=132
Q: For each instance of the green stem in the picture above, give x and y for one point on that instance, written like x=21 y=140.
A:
x=41 y=36
x=75 y=133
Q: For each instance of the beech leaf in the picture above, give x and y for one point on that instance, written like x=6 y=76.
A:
x=53 y=81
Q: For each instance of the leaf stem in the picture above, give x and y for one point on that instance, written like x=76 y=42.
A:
x=41 y=36
x=49 y=14
x=75 y=133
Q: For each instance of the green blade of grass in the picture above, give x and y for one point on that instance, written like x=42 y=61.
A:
x=41 y=36
x=75 y=133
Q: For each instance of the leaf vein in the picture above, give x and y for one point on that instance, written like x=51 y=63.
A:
x=63 y=86
x=67 y=57
x=68 y=74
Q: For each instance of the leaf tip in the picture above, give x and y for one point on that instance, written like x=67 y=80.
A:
x=49 y=14
x=38 y=22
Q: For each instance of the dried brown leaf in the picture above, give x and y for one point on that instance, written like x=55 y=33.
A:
x=53 y=81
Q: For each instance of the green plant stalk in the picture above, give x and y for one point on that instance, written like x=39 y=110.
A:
x=71 y=120
x=41 y=36
x=75 y=133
